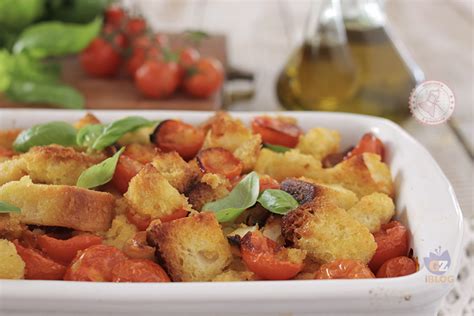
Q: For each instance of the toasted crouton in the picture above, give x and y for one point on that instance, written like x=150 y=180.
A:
x=12 y=170
x=59 y=205
x=55 y=164
x=319 y=142
x=88 y=119
x=327 y=233
x=150 y=194
x=120 y=232
x=286 y=165
x=193 y=248
x=8 y=136
x=178 y=172
x=11 y=264
x=362 y=174
x=210 y=188
x=10 y=226
x=373 y=211
x=248 y=152
x=235 y=276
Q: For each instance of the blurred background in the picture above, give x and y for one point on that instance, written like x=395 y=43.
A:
x=362 y=56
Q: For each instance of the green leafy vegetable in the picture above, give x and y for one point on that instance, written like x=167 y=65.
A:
x=16 y=14
x=99 y=174
x=88 y=134
x=113 y=131
x=243 y=196
x=277 y=201
x=59 y=133
x=56 y=38
x=276 y=148
x=76 y=11
x=7 y=208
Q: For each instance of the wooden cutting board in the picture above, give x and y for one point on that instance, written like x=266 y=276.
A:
x=120 y=92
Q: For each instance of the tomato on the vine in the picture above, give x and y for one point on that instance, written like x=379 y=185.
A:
x=204 y=77
x=135 y=26
x=114 y=16
x=157 y=79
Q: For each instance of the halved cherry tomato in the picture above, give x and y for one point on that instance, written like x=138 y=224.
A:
x=126 y=169
x=94 y=264
x=369 y=143
x=397 y=267
x=266 y=259
x=157 y=79
x=204 y=78
x=344 y=269
x=114 y=16
x=5 y=152
x=276 y=132
x=38 y=266
x=267 y=182
x=138 y=270
x=219 y=160
x=141 y=222
x=172 y=135
x=140 y=152
x=135 y=26
x=175 y=215
x=392 y=241
x=65 y=250
x=138 y=248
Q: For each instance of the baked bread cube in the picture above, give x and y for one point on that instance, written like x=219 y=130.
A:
x=120 y=232
x=373 y=211
x=88 y=119
x=55 y=164
x=10 y=226
x=11 y=264
x=193 y=248
x=290 y=164
x=12 y=170
x=319 y=142
x=211 y=187
x=235 y=276
x=178 y=172
x=327 y=233
x=150 y=194
x=363 y=174
x=60 y=205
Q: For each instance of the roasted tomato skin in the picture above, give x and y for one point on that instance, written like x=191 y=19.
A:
x=369 y=143
x=261 y=256
x=137 y=247
x=392 y=241
x=38 y=266
x=94 y=264
x=397 y=267
x=267 y=182
x=141 y=222
x=220 y=161
x=173 y=135
x=126 y=169
x=65 y=250
x=138 y=270
x=276 y=132
x=344 y=269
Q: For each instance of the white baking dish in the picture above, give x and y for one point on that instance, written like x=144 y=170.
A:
x=425 y=202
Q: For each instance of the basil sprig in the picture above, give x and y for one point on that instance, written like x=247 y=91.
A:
x=276 y=148
x=87 y=135
x=243 y=196
x=8 y=208
x=60 y=133
x=277 y=201
x=99 y=174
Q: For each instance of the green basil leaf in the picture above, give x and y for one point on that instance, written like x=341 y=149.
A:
x=55 y=38
x=99 y=174
x=276 y=148
x=112 y=132
x=243 y=196
x=277 y=201
x=87 y=135
x=8 y=208
x=60 y=133
x=45 y=92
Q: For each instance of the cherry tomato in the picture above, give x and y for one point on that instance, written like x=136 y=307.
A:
x=369 y=143
x=344 y=269
x=140 y=152
x=276 y=132
x=220 y=161
x=135 y=27
x=138 y=270
x=5 y=152
x=397 y=267
x=188 y=57
x=267 y=182
x=392 y=241
x=138 y=248
x=204 y=78
x=114 y=16
x=65 y=250
x=140 y=221
x=175 y=215
x=101 y=58
x=38 y=266
x=157 y=79
x=126 y=169
x=94 y=264
x=265 y=258
x=172 y=135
